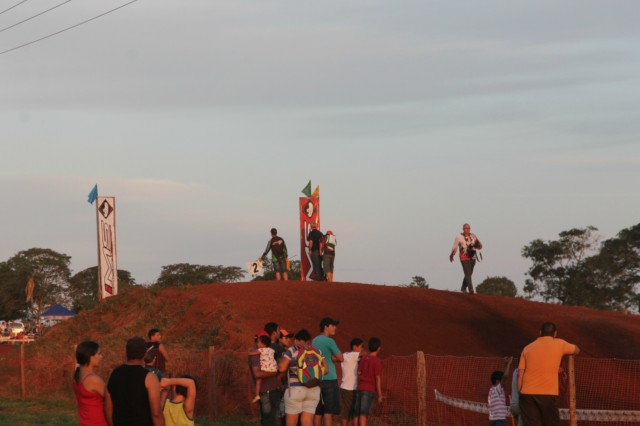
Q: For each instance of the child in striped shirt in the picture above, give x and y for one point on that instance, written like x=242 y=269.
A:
x=497 y=401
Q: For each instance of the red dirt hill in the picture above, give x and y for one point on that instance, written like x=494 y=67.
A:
x=406 y=319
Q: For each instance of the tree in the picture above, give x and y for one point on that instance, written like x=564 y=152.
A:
x=185 y=273
x=418 y=282
x=83 y=287
x=577 y=270
x=498 y=286
x=50 y=271
x=270 y=274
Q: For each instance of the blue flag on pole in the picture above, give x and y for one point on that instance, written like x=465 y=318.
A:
x=93 y=195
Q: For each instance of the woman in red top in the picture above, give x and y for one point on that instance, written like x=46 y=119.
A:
x=88 y=386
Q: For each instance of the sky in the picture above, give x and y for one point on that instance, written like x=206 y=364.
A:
x=206 y=119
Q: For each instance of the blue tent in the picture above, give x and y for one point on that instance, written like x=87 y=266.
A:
x=56 y=313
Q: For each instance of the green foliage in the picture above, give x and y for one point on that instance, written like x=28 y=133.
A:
x=268 y=273
x=51 y=273
x=577 y=270
x=41 y=412
x=185 y=273
x=419 y=282
x=498 y=286
x=83 y=287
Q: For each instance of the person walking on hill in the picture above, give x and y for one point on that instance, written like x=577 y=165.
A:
x=330 y=402
x=467 y=243
x=329 y=254
x=279 y=255
x=315 y=238
x=133 y=392
x=538 y=377
x=88 y=386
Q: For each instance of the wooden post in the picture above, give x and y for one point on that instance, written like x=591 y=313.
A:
x=573 y=420
x=23 y=378
x=213 y=409
x=421 y=382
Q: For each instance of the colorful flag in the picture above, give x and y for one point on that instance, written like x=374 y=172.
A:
x=93 y=194
x=307 y=190
x=316 y=192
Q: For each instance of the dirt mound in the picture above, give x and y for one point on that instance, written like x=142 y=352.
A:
x=406 y=319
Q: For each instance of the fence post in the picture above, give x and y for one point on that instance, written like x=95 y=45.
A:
x=23 y=378
x=421 y=382
x=573 y=421
x=213 y=408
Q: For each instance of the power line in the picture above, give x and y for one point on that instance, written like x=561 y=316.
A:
x=35 y=16
x=15 y=5
x=68 y=28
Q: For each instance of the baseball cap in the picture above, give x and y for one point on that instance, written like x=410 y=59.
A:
x=285 y=333
x=261 y=333
x=330 y=232
x=328 y=321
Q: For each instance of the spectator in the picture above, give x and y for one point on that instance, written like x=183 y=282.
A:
x=329 y=254
x=159 y=350
x=300 y=401
x=269 y=390
x=497 y=401
x=350 y=381
x=180 y=410
x=88 y=387
x=133 y=392
x=538 y=377
x=278 y=255
x=267 y=360
x=315 y=238
x=369 y=381
x=514 y=407
x=330 y=402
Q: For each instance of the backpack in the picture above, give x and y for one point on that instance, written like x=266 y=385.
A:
x=310 y=368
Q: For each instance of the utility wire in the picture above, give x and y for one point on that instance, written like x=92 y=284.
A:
x=34 y=16
x=15 y=5
x=68 y=28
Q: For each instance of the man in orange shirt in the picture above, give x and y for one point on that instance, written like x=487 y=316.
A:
x=538 y=377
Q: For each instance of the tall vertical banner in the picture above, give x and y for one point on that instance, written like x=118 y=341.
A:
x=107 y=260
x=309 y=213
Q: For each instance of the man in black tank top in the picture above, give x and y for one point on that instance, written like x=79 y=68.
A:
x=133 y=392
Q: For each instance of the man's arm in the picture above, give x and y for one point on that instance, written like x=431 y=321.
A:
x=153 y=390
x=338 y=357
x=520 y=379
x=454 y=249
x=266 y=250
x=108 y=407
x=379 y=388
x=577 y=351
x=163 y=351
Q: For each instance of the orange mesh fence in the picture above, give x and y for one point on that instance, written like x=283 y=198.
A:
x=607 y=390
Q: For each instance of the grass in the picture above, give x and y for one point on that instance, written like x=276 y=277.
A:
x=15 y=412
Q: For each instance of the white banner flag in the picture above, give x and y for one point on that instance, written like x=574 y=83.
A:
x=107 y=261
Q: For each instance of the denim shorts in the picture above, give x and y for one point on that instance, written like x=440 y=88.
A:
x=280 y=265
x=330 y=401
x=364 y=403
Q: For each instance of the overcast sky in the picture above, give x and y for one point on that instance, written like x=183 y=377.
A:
x=205 y=119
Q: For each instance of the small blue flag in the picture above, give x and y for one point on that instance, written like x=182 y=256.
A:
x=93 y=195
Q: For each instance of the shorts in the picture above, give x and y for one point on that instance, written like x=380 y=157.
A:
x=301 y=399
x=364 y=403
x=279 y=265
x=330 y=401
x=347 y=402
x=327 y=262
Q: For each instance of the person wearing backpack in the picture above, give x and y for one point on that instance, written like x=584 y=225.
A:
x=329 y=254
x=279 y=255
x=305 y=367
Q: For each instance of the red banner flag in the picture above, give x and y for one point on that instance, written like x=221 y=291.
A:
x=309 y=213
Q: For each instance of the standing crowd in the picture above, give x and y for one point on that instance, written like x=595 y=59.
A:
x=304 y=389
x=137 y=393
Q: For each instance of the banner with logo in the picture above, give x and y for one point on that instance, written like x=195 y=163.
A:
x=107 y=260
x=309 y=213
